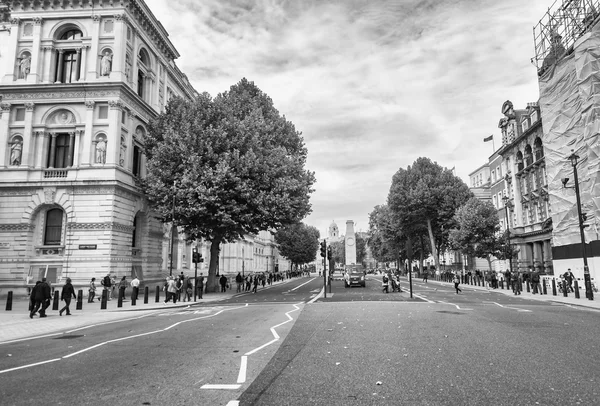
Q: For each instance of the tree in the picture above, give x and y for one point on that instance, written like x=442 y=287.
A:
x=478 y=233
x=233 y=165
x=424 y=198
x=338 y=252
x=361 y=249
x=298 y=242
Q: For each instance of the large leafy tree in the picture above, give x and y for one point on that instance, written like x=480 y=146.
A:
x=234 y=165
x=338 y=250
x=298 y=243
x=478 y=232
x=423 y=198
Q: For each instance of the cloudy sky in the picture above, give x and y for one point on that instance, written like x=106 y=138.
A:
x=371 y=84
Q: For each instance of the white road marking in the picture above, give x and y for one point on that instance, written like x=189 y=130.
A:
x=243 y=368
x=233 y=403
x=422 y=298
x=453 y=304
x=30 y=365
x=317 y=297
x=512 y=308
x=299 y=286
x=220 y=386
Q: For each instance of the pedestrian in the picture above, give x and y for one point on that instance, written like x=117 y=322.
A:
x=65 y=295
x=385 y=283
x=200 y=285
x=248 y=282
x=515 y=283
x=92 y=291
x=36 y=298
x=122 y=287
x=187 y=292
x=47 y=296
x=238 y=282
x=179 y=286
x=135 y=288
x=425 y=275
x=456 y=281
x=535 y=282
x=494 y=280
x=106 y=282
x=171 y=290
x=223 y=282
x=569 y=277
x=113 y=284
x=263 y=280
x=255 y=284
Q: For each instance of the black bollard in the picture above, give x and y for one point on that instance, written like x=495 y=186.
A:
x=544 y=289
x=553 y=287
x=9 y=300
x=576 y=290
x=120 y=299
x=157 y=295
x=133 y=299
x=565 y=289
x=104 y=299
x=528 y=287
x=79 y=300
x=146 y=295
x=56 y=301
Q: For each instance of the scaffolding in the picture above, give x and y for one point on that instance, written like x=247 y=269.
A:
x=563 y=23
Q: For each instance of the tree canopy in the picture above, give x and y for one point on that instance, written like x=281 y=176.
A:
x=298 y=243
x=233 y=164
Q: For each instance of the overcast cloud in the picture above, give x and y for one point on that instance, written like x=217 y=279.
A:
x=372 y=85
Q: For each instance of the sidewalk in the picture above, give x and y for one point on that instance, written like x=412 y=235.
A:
x=16 y=324
x=570 y=300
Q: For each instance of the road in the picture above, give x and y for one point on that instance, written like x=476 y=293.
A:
x=286 y=346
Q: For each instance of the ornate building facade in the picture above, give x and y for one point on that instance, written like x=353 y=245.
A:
x=79 y=86
x=526 y=187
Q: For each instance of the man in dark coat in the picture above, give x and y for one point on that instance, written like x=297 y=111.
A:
x=45 y=286
x=65 y=295
x=35 y=298
x=200 y=285
x=223 y=282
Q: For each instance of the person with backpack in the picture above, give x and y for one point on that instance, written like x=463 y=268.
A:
x=456 y=281
x=535 y=282
x=385 y=283
x=107 y=283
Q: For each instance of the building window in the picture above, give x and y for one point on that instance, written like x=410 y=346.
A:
x=102 y=112
x=534 y=116
x=140 y=84
x=58 y=154
x=524 y=214
x=53 y=228
x=68 y=57
x=69 y=70
x=137 y=159
x=495 y=201
x=19 y=114
x=71 y=35
x=134 y=236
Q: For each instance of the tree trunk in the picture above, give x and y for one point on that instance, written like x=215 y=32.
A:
x=433 y=247
x=489 y=259
x=211 y=280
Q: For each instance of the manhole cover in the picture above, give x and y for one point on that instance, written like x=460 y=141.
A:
x=66 y=337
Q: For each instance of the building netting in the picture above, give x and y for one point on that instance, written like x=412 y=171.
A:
x=570 y=107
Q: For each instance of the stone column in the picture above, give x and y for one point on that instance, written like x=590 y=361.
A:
x=114 y=133
x=28 y=140
x=61 y=66
x=547 y=247
x=45 y=65
x=93 y=66
x=118 y=61
x=78 y=64
x=88 y=153
x=134 y=60
x=41 y=153
x=53 y=61
x=52 y=150
x=4 y=131
x=37 y=56
x=71 y=149
x=84 y=63
x=77 y=148
x=9 y=51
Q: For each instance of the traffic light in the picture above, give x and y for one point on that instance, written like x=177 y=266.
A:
x=196 y=256
x=584 y=218
x=323 y=248
x=329 y=253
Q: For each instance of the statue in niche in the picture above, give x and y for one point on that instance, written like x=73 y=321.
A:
x=128 y=67
x=101 y=152
x=122 y=155
x=24 y=67
x=15 y=153
x=106 y=64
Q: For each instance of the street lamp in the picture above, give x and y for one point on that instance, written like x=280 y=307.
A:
x=586 y=270
x=508 y=205
x=172 y=229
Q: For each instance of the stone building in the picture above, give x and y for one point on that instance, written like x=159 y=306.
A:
x=526 y=186
x=79 y=86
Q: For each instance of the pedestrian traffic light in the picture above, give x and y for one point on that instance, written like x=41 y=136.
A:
x=584 y=218
x=329 y=254
x=323 y=248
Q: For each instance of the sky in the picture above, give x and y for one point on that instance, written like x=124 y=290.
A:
x=371 y=84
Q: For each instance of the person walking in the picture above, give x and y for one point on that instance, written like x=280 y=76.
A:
x=535 y=282
x=36 y=297
x=385 y=283
x=92 y=291
x=45 y=286
x=187 y=291
x=65 y=295
x=425 y=275
x=200 y=285
x=238 y=282
x=106 y=282
x=135 y=288
x=515 y=283
x=248 y=283
x=254 y=289
x=223 y=282
x=456 y=281
x=171 y=290
x=569 y=278
x=122 y=287
x=263 y=280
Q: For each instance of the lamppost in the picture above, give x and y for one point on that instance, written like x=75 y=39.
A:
x=586 y=270
x=508 y=205
x=172 y=229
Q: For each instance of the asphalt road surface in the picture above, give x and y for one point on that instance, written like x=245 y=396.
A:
x=286 y=346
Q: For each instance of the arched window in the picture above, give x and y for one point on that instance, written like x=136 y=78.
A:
x=71 y=34
x=538 y=148
x=144 y=67
x=53 y=227
x=68 y=55
x=520 y=163
x=528 y=155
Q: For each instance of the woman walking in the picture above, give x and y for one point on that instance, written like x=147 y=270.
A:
x=122 y=287
x=456 y=281
x=92 y=291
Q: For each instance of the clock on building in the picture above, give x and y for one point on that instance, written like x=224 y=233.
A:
x=349 y=241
